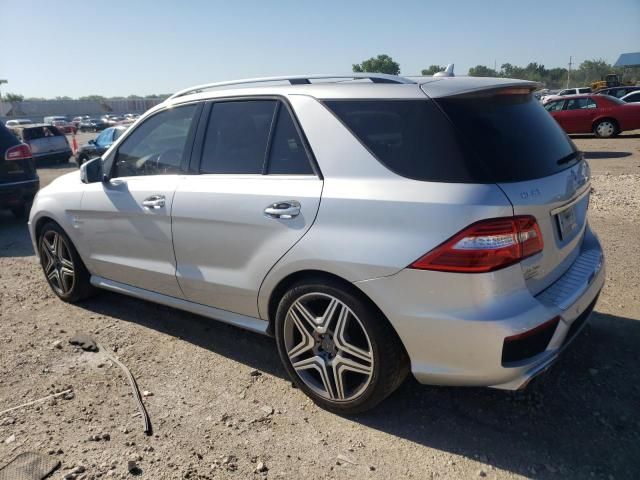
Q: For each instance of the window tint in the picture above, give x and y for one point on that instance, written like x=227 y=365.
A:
x=554 y=106
x=40 y=132
x=287 y=155
x=237 y=136
x=489 y=138
x=157 y=145
x=580 y=103
x=104 y=138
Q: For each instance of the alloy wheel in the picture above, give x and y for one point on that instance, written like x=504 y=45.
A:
x=57 y=262
x=328 y=347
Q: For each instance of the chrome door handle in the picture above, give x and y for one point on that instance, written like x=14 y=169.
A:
x=288 y=209
x=154 y=201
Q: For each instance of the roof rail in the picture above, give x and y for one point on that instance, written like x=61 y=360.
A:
x=295 y=80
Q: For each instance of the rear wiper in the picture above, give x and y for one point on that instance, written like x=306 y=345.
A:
x=566 y=159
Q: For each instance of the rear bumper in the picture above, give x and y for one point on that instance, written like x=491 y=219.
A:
x=454 y=326
x=18 y=193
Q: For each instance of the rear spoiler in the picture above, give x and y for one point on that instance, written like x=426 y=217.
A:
x=473 y=86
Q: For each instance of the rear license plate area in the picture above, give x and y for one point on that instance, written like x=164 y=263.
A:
x=567 y=222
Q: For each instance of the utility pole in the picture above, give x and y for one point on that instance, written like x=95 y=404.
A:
x=569 y=71
x=1 y=82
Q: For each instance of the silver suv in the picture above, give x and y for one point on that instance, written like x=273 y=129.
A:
x=374 y=225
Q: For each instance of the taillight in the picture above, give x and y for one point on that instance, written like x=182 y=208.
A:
x=485 y=246
x=19 y=152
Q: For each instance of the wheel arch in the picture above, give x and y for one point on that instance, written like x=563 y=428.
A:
x=306 y=275
x=603 y=118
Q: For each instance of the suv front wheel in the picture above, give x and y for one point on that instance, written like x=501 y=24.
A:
x=337 y=348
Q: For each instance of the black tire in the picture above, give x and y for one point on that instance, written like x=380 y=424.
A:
x=80 y=287
x=606 y=128
x=390 y=364
x=21 y=212
x=80 y=160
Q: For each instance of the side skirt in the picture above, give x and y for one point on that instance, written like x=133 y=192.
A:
x=242 y=321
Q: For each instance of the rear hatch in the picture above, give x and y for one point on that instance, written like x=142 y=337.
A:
x=45 y=140
x=517 y=145
x=12 y=171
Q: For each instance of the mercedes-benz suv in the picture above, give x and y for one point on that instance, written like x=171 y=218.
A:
x=374 y=225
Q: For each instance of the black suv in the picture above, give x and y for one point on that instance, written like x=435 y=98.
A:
x=19 y=181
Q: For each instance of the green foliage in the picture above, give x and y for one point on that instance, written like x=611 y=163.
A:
x=13 y=97
x=587 y=72
x=432 y=69
x=380 y=64
x=482 y=71
x=64 y=98
x=93 y=98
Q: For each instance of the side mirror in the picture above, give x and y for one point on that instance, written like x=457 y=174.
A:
x=91 y=171
x=92 y=141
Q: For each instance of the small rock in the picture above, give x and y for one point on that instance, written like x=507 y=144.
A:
x=481 y=473
x=8 y=421
x=78 y=469
x=267 y=410
x=261 y=467
x=255 y=373
x=147 y=393
x=57 y=344
x=10 y=439
x=69 y=396
x=372 y=468
x=132 y=468
x=106 y=437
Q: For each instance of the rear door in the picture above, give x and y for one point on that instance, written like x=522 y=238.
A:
x=536 y=165
x=126 y=222
x=254 y=194
x=45 y=140
x=579 y=116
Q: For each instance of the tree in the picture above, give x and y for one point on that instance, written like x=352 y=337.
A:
x=482 y=71
x=13 y=97
x=64 y=98
x=432 y=69
x=380 y=64
x=94 y=98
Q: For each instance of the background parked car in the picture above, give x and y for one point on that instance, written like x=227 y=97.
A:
x=93 y=125
x=617 y=92
x=564 y=93
x=18 y=121
x=633 y=97
x=64 y=126
x=603 y=115
x=47 y=142
x=19 y=181
x=99 y=145
x=78 y=120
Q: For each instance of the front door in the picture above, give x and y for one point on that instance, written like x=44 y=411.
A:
x=255 y=195
x=580 y=114
x=126 y=221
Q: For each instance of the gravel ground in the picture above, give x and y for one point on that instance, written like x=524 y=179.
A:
x=221 y=406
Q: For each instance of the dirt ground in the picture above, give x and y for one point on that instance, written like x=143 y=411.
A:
x=221 y=403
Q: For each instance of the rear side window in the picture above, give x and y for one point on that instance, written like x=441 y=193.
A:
x=40 y=132
x=410 y=137
x=287 y=155
x=237 y=137
x=511 y=135
x=580 y=103
x=485 y=139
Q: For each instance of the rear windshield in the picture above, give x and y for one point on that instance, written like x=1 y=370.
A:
x=485 y=139
x=40 y=132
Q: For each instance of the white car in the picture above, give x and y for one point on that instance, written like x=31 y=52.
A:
x=565 y=92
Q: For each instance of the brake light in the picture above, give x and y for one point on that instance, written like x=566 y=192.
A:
x=485 y=246
x=19 y=152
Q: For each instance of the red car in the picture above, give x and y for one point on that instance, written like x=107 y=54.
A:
x=602 y=115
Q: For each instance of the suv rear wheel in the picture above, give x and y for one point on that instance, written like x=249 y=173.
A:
x=63 y=268
x=337 y=348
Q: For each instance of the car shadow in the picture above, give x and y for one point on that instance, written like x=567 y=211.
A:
x=14 y=236
x=578 y=420
x=622 y=136
x=604 y=155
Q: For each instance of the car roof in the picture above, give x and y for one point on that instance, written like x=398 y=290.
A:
x=412 y=87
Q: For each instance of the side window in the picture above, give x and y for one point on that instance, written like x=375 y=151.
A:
x=104 y=138
x=237 y=137
x=590 y=103
x=157 y=145
x=287 y=155
x=576 y=104
x=554 y=106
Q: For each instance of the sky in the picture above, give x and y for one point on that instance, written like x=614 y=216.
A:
x=118 y=47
